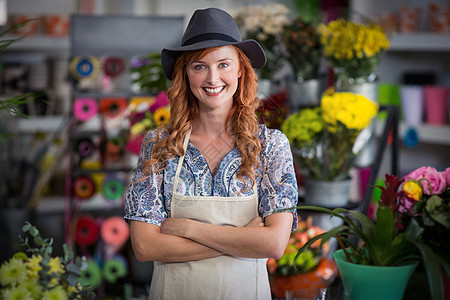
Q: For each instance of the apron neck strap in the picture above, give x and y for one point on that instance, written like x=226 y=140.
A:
x=180 y=161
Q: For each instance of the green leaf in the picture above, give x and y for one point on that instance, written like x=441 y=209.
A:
x=34 y=232
x=384 y=227
x=72 y=268
x=413 y=230
x=367 y=225
x=38 y=241
x=433 y=270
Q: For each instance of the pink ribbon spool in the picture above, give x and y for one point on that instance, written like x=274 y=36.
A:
x=115 y=231
x=85 y=109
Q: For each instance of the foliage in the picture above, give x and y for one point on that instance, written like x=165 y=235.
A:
x=148 y=73
x=304 y=50
x=324 y=138
x=400 y=234
x=265 y=24
x=39 y=275
x=287 y=265
x=353 y=49
x=273 y=110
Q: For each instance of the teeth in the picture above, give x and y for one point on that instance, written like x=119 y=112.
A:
x=214 y=91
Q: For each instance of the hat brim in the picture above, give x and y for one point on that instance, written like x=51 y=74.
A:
x=251 y=48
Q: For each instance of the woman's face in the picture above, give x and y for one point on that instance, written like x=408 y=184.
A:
x=213 y=79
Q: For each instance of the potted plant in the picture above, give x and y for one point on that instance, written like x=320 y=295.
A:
x=311 y=269
x=303 y=52
x=353 y=50
x=412 y=226
x=325 y=141
x=265 y=24
x=39 y=275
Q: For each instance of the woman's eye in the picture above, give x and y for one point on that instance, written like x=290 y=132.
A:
x=199 y=67
x=224 y=65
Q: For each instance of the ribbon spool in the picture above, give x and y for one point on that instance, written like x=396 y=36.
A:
x=85 y=109
x=114 y=231
x=112 y=107
x=84 y=67
x=113 y=189
x=86 y=231
x=115 y=268
x=113 y=66
x=91 y=276
x=83 y=187
x=85 y=147
x=411 y=137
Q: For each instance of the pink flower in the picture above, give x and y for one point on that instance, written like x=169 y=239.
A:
x=447 y=176
x=434 y=179
x=160 y=101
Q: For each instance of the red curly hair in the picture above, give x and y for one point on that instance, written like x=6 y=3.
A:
x=242 y=120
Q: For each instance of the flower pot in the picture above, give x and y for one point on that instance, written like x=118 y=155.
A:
x=372 y=282
x=368 y=89
x=326 y=193
x=320 y=277
x=304 y=93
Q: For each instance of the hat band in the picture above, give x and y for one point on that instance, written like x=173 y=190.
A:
x=209 y=36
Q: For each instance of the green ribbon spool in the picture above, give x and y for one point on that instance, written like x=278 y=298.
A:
x=113 y=189
x=113 y=269
x=91 y=276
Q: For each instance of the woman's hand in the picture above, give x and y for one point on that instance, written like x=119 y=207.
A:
x=256 y=222
x=175 y=226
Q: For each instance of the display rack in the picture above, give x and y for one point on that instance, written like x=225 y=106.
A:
x=102 y=38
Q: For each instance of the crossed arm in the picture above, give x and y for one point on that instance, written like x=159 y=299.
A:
x=180 y=239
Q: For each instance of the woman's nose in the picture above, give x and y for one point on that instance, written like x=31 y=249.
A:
x=213 y=76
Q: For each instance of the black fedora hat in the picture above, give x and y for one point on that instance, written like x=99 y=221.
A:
x=212 y=27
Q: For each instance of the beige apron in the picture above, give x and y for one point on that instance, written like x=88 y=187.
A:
x=224 y=277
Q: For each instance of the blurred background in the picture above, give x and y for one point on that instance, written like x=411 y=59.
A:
x=91 y=75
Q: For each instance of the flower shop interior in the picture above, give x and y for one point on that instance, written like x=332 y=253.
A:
x=359 y=87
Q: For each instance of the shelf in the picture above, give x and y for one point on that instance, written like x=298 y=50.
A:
x=40 y=124
x=430 y=134
x=39 y=43
x=422 y=41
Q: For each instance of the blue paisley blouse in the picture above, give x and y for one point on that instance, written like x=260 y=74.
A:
x=149 y=200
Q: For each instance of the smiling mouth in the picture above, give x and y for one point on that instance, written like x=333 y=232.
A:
x=214 y=90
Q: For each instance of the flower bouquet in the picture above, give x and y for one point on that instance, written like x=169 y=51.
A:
x=146 y=113
x=303 y=47
x=353 y=49
x=412 y=226
x=311 y=268
x=265 y=24
x=39 y=275
x=325 y=139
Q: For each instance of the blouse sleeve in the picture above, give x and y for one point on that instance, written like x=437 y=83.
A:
x=144 y=199
x=278 y=188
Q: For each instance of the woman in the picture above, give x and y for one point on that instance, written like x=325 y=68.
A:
x=204 y=194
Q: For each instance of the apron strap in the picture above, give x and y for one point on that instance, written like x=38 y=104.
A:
x=180 y=162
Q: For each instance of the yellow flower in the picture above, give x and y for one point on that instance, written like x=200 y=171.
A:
x=53 y=282
x=412 y=190
x=161 y=116
x=57 y=293
x=13 y=272
x=55 y=266
x=352 y=110
x=34 y=266
x=16 y=293
x=33 y=287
